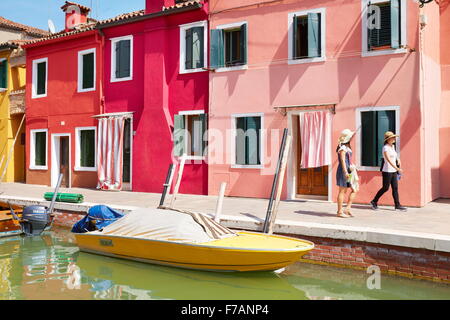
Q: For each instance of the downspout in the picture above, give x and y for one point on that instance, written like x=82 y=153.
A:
x=422 y=109
x=101 y=68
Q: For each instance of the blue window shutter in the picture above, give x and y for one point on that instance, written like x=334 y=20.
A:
x=189 y=48
x=217 y=49
x=385 y=122
x=395 y=24
x=244 y=43
x=314 y=35
x=179 y=135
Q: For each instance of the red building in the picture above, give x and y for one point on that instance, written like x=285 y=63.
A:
x=106 y=98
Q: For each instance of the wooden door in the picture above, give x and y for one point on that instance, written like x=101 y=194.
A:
x=310 y=181
x=64 y=160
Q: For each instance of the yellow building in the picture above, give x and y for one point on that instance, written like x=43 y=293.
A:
x=12 y=98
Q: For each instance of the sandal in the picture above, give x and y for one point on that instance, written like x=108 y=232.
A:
x=347 y=212
x=342 y=215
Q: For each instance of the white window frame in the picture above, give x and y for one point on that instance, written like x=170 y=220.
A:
x=34 y=94
x=228 y=27
x=403 y=41
x=80 y=69
x=78 y=166
x=233 y=141
x=4 y=89
x=358 y=134
x=183 y=29
x=323 y=34
x=186 y=146
x=33 y=165
x=113 y=58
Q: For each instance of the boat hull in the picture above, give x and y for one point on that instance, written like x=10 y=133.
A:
x=9 y=228
x=205 y=256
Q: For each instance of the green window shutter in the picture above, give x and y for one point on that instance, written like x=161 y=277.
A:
x=189 y=48
x=314 y=49
x=87 y=148
x=369 y=139
x=41 y=77
x=198 y=47
x=217 y=49
x=243 y=43
x=4 y=74
x=179 y=135
x=40 y=148
x=88 y=70
x=395 y=24
x=204 y=128
x=294 y=37
x=240 y=140
x=252 y=141
x=385 y=122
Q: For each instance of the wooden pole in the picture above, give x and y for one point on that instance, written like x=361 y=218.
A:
x=220 y=202
x=177 y=185
x=12 y=149
x=167 y=184
x=280 y=184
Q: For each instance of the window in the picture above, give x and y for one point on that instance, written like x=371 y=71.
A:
x=229 y=46
x=374 y=123
x=86 y=70
x=86 y=153
x=384 y=26
x=248 y=140
x=3 y=74
x=38 y=149
x=189 y=134
x=307 y=36
x=122 y=59
x=40 y=70
x=193 y=54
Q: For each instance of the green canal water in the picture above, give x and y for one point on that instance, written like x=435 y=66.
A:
x=51 y=267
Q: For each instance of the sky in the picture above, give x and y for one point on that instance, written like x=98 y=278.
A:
x=36 y=13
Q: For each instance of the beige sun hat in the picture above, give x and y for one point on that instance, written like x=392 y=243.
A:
x=346 y=135
x=389 y=134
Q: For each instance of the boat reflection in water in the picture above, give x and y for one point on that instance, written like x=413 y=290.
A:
x=50 y=267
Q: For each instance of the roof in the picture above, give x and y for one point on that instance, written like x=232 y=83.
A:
x=122 y=18
x=12 y=44
x=82 y=8
x=5 y=23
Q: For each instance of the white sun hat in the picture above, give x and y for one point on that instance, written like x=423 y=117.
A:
x=346 y=135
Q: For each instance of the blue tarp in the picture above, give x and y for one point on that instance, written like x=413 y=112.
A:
x=102 y=214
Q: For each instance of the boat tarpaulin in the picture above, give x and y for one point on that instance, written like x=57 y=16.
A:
x=103 y=216
x=65 y=197
x=164 y=225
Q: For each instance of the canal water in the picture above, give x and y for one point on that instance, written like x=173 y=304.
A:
x=51 y=267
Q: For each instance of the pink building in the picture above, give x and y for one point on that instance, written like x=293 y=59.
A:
x=278 y=62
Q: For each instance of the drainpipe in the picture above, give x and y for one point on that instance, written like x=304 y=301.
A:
x=101 y=42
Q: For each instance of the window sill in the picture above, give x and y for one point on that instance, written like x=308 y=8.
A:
x=38 y=168
x=3 y=89
x=186 y=71
x=225 y=69
x=94 y=169
x=85 y=90
x=242 y=166
x=307 y=60
x=121 y=79
x=39 y=96
x=365 y=168
x=375 y=53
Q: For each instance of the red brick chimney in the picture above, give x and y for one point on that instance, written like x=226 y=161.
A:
x=76 y=14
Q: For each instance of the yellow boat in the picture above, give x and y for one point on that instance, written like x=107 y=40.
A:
x=192 y=241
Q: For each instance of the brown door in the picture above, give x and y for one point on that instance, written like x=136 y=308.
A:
x=64 y=160
x=311 y=181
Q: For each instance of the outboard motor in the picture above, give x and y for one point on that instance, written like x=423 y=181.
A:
x=36 y=218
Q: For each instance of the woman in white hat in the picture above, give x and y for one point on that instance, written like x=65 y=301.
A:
x=391 y=170
x=343 y=172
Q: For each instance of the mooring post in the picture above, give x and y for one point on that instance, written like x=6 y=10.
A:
x=167 y=184
x=220 y=202
x=179 y=176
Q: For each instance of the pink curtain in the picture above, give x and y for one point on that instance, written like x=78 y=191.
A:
x=110 y=150
x=315 y=137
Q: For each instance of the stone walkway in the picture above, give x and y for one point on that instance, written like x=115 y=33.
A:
x=427 y=227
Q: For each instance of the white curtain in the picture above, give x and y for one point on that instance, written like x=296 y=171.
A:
x=110 y=153
x=315 y=135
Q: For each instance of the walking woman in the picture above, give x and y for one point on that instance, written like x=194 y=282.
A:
x=343 y=174
x=391 y=172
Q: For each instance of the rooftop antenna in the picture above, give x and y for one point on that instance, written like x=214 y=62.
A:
x=51 y=26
